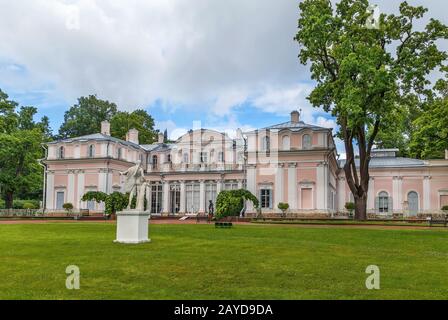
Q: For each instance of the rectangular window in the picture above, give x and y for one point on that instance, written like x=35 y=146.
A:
x=192 y=194
x=221 y=156
x=231 y=186
x=265 y=198
x=203 y=157
x=210 y=195
x=59 y=200
x=156 y=198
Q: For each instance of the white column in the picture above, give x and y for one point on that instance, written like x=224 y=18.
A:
x=148 y=197
x=292 y=186
x=183 y=197
x=396 y=193
x=50 y=191
x=166 y=197
x=102 y=181
x=110 y=179
x=341 y=194
x=218 y=186
x=278 y=185
x=202 y=196
x=371 y=194
x=80 y=189
x=426 y=193
x=71 y=188
x=320 y=190
x=251 y=185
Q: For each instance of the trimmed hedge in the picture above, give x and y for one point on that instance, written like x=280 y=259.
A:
x=229 y=203
x=22 y=204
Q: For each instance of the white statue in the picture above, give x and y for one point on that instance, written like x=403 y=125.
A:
x=135 y=184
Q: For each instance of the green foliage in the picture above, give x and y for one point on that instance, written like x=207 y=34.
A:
x=430 y=136
x=68 y=206
x=283 y=206
x=97 y=196
x=30 y=205
x=366 y=76
x=445 y=208
x=86 y=116
x=113 y=202
x=116 y=202
x=20 y=149
x=350 y=206
x=231 y=202
x=122 y=122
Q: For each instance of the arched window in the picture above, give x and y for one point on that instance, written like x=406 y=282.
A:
x=266 y=145
x=91 y=151
x=154 y=161
x=119 y=153
x=306 y=141
x=413 y=203
x=168 y=158
x=285 y=143
x=61 y=152
x=383 y=202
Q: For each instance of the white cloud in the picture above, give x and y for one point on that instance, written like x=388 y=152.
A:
x=212 y=54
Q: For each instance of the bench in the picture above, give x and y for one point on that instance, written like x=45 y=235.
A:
x=442 y=220
x=223 y=224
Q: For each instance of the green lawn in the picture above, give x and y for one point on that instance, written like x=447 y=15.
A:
x=201 y=262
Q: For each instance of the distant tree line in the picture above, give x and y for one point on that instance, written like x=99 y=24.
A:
x=21 y=138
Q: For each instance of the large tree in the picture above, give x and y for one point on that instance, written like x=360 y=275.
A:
x=86 y=116
x=20 y=149
x=365 y=72
x=122 y=122
x=430 y=129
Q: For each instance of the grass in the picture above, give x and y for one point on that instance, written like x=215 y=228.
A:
x=342 y=222
x=201 y=262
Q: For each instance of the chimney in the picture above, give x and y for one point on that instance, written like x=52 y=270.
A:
x=295 y=116
x=132 y=136
x=161 y=137
x=446 y=154
x=105 y=128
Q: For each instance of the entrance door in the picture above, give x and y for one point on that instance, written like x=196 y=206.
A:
x=175 y=199
x=443 y=201
x=413 y=203
x=59 y=200
x=307 y=198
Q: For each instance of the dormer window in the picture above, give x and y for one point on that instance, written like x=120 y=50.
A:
x=203 y=157
x=306 y=141
x=91 y=151
x=61 y=152
x=285 y=143
x=266 y=144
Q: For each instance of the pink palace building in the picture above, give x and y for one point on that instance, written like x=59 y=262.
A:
x=291 y=162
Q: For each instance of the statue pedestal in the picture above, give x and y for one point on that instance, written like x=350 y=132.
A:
x=132 y=226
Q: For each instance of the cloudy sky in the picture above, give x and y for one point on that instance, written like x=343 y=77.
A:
x=226 y=63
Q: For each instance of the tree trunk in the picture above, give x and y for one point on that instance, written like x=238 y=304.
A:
x=361 y=208
x=9 y=199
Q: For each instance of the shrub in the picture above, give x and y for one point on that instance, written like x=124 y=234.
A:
x=19 y=204
x=283 y=207
x=114 y=202
x=350 y=206
x=231 y=202
x=29 y=206
x=68 y=207
x=445 y=208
